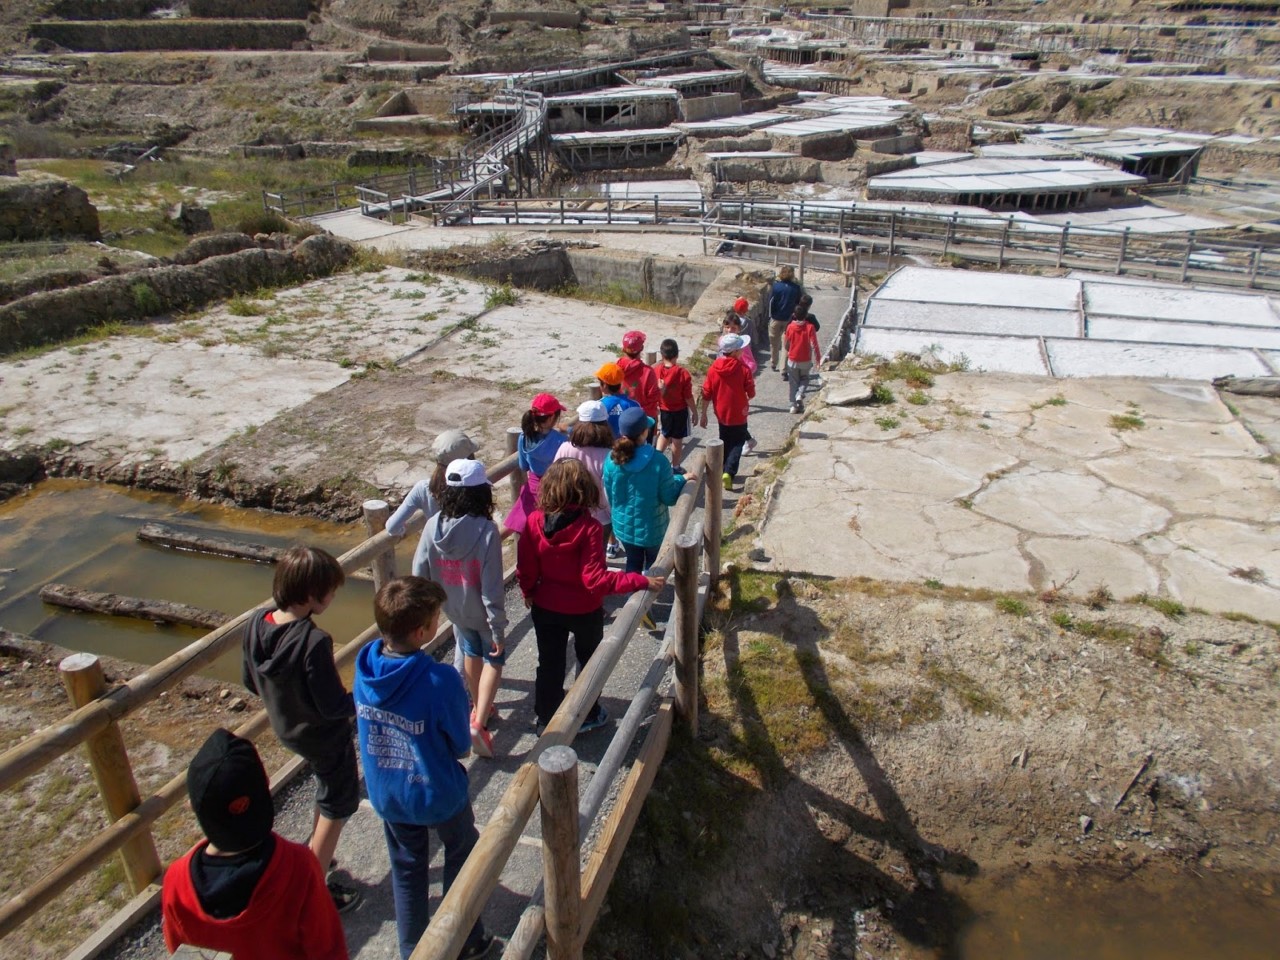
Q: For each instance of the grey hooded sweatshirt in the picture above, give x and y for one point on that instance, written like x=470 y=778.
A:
x=464 y=555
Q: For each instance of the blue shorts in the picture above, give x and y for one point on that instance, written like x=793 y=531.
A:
x=472 y=643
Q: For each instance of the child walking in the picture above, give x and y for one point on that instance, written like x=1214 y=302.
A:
x=539 y=441
x=611 y=395
x=288 y=661
x=675 y=401
x=464 y=555
x=638 y=380
x=425 y=495
x=641 y=485
x=411 y=713
x=562 y=575
x=802 y=353
x=728 y=388
x=245 y=889
x=590 y=441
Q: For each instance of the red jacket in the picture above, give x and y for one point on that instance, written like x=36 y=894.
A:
x=640 y=383
x=566 y=572
x=802 y=342
x=729 y=386
x=675 y=389
x=291 y=915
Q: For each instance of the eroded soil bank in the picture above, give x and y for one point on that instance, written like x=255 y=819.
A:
x=881 y=765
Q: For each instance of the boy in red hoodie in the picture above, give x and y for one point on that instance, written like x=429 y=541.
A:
x=245 y=890
x=638 y=379
x=675 y=402
x=728 y=387
x=562 y=574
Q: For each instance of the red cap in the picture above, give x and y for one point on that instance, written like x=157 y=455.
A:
x=632 y=341
x=741 y=305
x=544 y=404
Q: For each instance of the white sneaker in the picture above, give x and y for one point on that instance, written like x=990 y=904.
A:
x=751 y=444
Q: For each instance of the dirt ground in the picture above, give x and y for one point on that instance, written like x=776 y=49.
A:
x=878 y=747
x=59 y=806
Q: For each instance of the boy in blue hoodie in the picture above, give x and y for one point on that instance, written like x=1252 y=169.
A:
x=411 y=715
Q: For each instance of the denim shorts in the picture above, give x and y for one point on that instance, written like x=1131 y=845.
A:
x=473 y=643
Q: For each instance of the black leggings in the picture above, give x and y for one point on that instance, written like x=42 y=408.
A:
x=552 y=630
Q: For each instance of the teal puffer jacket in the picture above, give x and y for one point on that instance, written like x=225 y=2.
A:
x=639 y=493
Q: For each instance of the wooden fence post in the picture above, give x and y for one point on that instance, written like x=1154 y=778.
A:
x=893 y=236
x=1004 y=240
x=561 y=851
x=375 y=521
x=951 y=231
x=84 y=682
x=1124 y=246
x=714 y=512
x=686 y=618
x=1253 y=267
x=1186 y=257
x=1062 y=241
x=804 y=250
x=516 y=477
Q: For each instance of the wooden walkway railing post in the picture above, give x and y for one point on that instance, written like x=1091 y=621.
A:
x=375 y=520
x=686 y=618
x=715 y=508
x=561 y=851
x=82 y=676
x=516 y=479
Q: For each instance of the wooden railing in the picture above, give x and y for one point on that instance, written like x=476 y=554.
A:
x=99 y=711
x=574 y=897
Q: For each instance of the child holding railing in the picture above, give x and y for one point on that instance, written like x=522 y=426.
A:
x=562 y=574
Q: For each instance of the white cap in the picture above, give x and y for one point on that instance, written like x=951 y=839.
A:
x=592 y=411
x=465 y=473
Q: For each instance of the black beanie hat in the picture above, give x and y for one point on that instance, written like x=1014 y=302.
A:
x=229 y=793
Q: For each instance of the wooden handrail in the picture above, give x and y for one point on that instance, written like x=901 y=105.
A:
x=48 y=743
x=457 y=913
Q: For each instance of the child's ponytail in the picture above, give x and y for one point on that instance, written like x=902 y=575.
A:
x=624 y=449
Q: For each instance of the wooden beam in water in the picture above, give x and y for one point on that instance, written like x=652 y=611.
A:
x=140 y=608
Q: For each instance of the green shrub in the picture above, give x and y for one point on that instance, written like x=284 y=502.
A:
x=146 y=299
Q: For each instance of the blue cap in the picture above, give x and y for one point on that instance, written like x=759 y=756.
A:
x=633 y=421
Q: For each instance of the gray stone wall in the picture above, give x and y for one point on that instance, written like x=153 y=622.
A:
x=50 y=317
x=8 y=162
x=117 y=36
x=250 y=9
x=45 y=210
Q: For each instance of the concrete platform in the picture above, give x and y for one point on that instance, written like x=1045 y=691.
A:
x=991 y=485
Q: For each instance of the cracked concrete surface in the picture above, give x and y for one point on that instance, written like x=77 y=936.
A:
x=1022 y=483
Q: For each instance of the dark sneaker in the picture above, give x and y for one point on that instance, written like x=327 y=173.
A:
x=481 y=948
x=345 y=898
x=596 y=722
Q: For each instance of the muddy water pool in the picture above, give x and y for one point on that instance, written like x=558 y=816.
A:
x=1156 y=914
x=84 y=534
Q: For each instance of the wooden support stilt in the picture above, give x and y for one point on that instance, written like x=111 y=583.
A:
x=375 y=520
x=82 y=676
x=686 y=619
x=561 y=851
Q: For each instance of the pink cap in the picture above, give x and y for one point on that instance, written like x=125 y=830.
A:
x=632 y=341
x=545 y=404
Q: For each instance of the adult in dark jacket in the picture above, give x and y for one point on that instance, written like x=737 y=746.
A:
x=783 y=297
